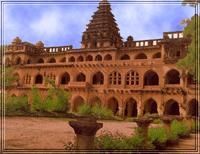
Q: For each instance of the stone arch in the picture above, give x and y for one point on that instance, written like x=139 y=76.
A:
x=95 y=101
x=81 y=77
x=171 y=108
x=193 y=107
x=18 y=61
x=63 y=60
x=65 y=78
x=98 y=78
x=113 y=105
x=141 y=56
x=89 y=58
x=151 y=78
x=40 y=61
x=77 y=102
x=115 y=78
x=131 y=108
x=39 y=79
x=150 y=106
x=80 y=59
x=28 y=61
x=156 y=55
x=172 y=77
x=132 y=78
x=108 y=57
x=52 y=60
x=125 y=57
x=72 y=59
x=98 y=58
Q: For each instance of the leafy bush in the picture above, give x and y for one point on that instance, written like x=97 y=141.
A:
x=96 y=111
x=16 y=104
x=180 y=128
x=158 y=136
x=108 y=141
x=195 y=127
x=55 y=101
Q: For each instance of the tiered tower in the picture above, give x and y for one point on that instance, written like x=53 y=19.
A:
x=102 y=31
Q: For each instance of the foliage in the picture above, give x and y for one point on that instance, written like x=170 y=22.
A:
x=16 y=104
x=97 y=111
x=7 y=76
x=158 y=136
x=180 y=128
x=195 y=127
x=192 y=61
x=55 y=101
x=108 y=141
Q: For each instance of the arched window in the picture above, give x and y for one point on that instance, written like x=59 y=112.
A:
x=113 y=105
x=98 y=58
x=125 y=57
x=108 y=57
x=18 y=61
x=80 y=59
x=151 y=78
x=89 y=58
x=157 y=55
x=150 y=107
x=38 y=79
x=171 y=108
x=80 y=77
x=63 y=60
x=132 y=78
x=72 y=59
x=141 y=56
x=172 y=77
x=65 y=78
x=52 y=60
x=40 y=60
x=98 y=78
x=115 y=78
x=28 y=61
x=131 y=108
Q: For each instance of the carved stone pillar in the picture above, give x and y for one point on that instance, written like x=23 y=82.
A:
x=85 y=129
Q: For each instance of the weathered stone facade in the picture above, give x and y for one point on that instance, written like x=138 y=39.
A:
x=131 y=77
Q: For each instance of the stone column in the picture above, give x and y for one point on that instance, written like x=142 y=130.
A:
x=85 y=129
x=188 y=120
x=143 y=124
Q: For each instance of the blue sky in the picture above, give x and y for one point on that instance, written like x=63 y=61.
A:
x=63 y=23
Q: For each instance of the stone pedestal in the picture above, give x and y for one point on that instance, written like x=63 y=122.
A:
x=143 y=124
x=85 y=129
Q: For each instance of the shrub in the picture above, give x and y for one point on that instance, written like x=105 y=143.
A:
x=96 y=111
x=16 y=104
x=195 y=127
x=108 y=141
x=158 y=136
x=180 y=129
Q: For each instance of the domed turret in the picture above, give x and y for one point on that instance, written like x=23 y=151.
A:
x=39 y=44
x=130 y=38
x=16 y=40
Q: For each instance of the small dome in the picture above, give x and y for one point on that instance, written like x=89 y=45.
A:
x=16 y=40
x=129 y=38
x=40 y=44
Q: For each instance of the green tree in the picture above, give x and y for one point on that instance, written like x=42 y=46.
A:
x=192 y=60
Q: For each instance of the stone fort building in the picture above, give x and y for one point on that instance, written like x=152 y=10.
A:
x=131 y=78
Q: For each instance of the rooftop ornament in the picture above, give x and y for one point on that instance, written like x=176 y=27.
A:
x=16 y=40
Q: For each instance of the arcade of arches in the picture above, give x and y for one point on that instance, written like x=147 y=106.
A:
x=132 y=108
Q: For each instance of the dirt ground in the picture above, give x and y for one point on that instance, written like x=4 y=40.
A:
x=54 y=133
x=49 y=133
